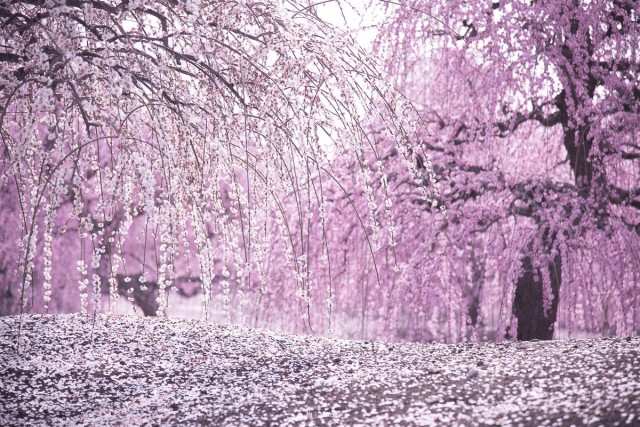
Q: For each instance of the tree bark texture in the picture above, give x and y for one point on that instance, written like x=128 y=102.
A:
x=528 y=303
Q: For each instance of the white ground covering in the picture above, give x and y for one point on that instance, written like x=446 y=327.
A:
x=152 y=371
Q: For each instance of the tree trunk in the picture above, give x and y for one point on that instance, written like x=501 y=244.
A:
x=146 y=299
x=528 y=304
x=478 y=266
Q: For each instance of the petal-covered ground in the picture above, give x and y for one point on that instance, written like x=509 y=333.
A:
x=131 y=371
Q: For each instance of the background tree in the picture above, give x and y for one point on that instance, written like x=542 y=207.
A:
x=534 y=111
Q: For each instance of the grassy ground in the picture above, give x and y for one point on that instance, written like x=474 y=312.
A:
x=131 y=371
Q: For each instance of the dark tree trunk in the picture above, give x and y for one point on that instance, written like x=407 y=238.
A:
x=478 y=265
x=146 y=299
x=528 y=304
x=8 y=297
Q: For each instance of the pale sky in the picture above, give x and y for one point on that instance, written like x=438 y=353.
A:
x=359 y=16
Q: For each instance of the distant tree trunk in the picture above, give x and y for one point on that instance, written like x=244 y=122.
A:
x=478 y=266
x=146 y=300
x=8 y=297
x=528 y=304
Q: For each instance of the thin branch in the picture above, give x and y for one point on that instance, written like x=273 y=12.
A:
x=429 y=15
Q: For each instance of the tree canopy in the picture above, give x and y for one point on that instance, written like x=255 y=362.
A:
x=534 y=110
x=159 y=142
